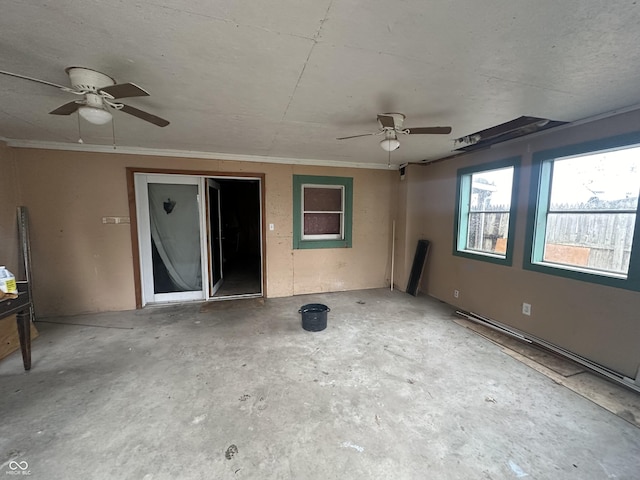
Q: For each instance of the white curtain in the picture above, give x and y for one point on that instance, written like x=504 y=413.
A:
x=176 y=233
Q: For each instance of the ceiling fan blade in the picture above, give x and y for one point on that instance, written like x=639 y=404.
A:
x=386 y=121
x=356 y=136
x=430 y=130
x=125 y=90
x=161 y=122
x=66 y=109
x=44 y=82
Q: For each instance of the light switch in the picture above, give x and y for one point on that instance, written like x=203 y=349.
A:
x=271 y=227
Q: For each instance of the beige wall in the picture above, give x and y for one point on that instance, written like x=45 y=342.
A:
x=370 y=258
x=81 y=265
x=598 y=322
x=9 y=200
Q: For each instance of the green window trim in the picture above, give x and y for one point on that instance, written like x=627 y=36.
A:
x=460 y=224
x=347 y=184
x=539 y=198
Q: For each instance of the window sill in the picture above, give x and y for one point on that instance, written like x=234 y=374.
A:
x=586 y=271
x=583 y=275
x=484 y=256
x=312 y=244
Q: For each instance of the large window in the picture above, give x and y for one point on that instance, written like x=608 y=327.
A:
x=485 y=209
x=322 y=211
x=583 y=220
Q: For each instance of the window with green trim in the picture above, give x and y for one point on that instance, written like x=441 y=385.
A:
x=584 y=215
x=485 y=206
x=322 y=211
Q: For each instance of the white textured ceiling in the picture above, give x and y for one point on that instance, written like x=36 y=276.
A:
x=284 y=78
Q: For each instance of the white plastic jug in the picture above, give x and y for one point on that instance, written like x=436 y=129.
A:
x=7 y=281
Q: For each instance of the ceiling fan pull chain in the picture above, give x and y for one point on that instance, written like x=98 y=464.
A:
x=113 y=131
x=79 y=133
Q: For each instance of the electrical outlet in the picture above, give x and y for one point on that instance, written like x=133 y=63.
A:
x=456 y=293
x=526 y=308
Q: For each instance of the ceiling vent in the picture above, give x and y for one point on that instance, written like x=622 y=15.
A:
x=505 y=131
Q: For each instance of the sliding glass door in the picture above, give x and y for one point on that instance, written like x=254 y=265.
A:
x=170 y=237
x=199 y=238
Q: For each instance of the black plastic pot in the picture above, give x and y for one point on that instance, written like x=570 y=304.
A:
x=314 y=316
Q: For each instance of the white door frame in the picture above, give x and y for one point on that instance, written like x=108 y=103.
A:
x=140 y=182
x=148 y=295
x=213 y=288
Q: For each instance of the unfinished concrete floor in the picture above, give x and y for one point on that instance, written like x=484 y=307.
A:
x=392 y=389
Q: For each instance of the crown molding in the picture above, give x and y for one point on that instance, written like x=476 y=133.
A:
x=76 y=147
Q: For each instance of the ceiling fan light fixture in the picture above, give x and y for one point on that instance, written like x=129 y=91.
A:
x=389 y=144
x=97 y=116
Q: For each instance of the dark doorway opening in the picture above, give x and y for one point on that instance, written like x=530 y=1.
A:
x=241 y=257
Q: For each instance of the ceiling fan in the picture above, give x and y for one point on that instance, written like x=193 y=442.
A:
x=392 y=124
x=99 y=94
